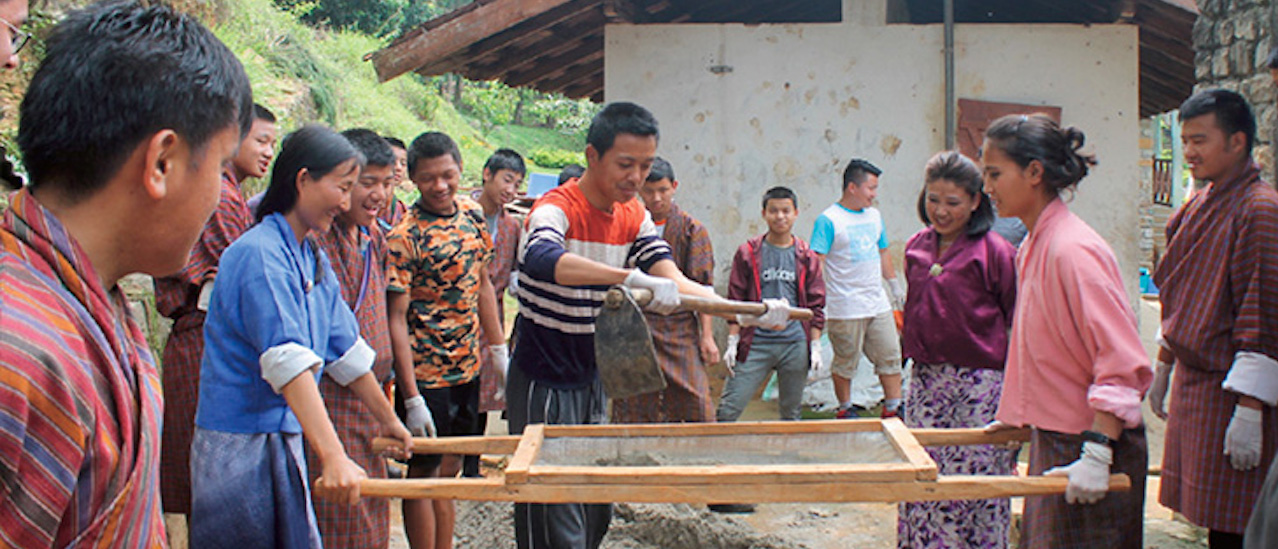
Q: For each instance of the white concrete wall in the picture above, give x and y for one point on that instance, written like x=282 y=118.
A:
x=801 y=100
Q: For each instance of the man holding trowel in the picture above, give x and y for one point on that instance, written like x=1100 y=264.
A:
x=581 y=238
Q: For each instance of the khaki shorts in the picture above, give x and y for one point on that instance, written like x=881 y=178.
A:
x=876 y=337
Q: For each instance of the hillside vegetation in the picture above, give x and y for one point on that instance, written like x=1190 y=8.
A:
x=305 y=70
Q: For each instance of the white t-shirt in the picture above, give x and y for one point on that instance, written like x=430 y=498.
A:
x=850 y=241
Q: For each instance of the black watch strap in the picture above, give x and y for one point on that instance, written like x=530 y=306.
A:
x=1099 y=438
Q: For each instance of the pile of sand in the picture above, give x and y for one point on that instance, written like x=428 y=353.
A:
x=634 y=526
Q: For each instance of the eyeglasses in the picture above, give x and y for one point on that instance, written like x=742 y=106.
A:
x=19 y=37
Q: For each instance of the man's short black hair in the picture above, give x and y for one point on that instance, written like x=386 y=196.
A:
x=377 y=152
x=263 y=113
x=505 y=159
x=571 y=171
x=114 y=74
x=396 y=142
x=432 y=145
x=616 y=119
x=858 y=171
x=661 y=169
x=780 y=193
x=1233 y=114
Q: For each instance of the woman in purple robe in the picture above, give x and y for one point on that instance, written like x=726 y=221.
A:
x=958 y=310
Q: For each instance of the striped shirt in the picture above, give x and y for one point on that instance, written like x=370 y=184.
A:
x=79 y=397
x=556 y=322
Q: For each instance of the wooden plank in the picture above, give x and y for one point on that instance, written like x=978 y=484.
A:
x=909 y=448
x=525 y=454
x=470 y=446
x=514 y=60
x=560 y=80
x=589 y=49
x=702 y=429
x=786 y=475
x=968 y=437
x=576 y=18
x=944 y=488
x=421 y=48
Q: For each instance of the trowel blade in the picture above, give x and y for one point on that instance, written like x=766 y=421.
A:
x=624 y=353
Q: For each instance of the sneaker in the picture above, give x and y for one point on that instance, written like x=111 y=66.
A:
x=734 y=508
x=890 y=413
x=851 y=412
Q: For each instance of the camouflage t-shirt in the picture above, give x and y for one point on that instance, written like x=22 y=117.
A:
x=438 y=261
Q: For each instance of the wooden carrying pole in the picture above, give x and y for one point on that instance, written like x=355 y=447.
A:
x=944 y=488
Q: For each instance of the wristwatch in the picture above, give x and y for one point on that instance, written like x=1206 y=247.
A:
x=1099 y=438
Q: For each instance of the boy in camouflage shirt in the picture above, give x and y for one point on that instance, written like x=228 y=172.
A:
x=439 y=295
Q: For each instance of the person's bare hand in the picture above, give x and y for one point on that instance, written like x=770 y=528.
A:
x=339 y=480
x=709 y=351
x=399 y=432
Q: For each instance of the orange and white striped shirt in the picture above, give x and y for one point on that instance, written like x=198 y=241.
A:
x=557 y=322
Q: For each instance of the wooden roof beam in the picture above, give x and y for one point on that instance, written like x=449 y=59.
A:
x=587 y=51
x=418 y=49
x=585 y=88
x=557 y=43
x=576 y=16
x=553 y=84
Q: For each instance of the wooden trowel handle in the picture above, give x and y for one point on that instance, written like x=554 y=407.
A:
x=720 y=307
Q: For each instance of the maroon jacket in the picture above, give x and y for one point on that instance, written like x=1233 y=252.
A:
x=743 y=285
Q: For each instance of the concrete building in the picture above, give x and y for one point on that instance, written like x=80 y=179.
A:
x=752 y=95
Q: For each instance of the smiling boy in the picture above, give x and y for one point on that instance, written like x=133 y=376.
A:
x=774 y=265
x=356 y=248
x=440 y=296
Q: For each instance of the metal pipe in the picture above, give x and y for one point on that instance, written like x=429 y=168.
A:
x=951 y=122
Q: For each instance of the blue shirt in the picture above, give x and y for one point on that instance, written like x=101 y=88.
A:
x=851 y=241
x=271 y=292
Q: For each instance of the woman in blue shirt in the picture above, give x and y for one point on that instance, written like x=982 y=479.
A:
x=276 y=322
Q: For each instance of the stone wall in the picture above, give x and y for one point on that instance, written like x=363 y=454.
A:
x=141 y=294
x=1232 y=39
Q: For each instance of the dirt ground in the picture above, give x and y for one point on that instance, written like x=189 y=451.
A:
x=485 y=525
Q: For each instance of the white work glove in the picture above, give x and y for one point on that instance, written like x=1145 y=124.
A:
x=774 y=318
x=665 y=293
x=419 y=420
x=501 y=364
x=897 y=294
x=1157 y=394
x=206 y=296
x=1089 y=476
x=1243 y=438
x=512 y=287
x=730 y=354
x=816 y=369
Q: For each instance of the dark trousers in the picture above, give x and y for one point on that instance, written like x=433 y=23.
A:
x=560 y=525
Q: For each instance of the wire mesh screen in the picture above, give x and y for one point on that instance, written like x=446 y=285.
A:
x=872 y=447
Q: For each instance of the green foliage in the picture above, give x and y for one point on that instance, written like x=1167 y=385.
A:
x=526 y=139
x=317 y=73
x=556 y=158
x=378 y=18
x=498 y=105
